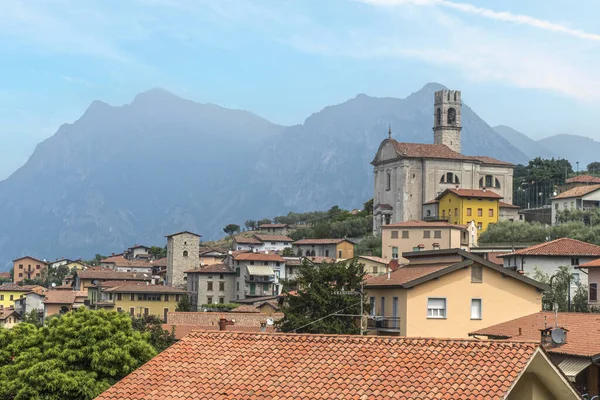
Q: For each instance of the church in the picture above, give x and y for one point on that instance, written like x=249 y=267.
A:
x=409 y=176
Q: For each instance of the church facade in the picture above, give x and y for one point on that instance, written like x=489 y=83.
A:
x=407 y=176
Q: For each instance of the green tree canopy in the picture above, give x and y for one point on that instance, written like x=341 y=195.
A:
x=264 y=221
x=231 y=229
x=593 y=167
x=251 y=225
x=151 y=327
x=184 y=305
x=76 y=356
x=158 y=252
x=558 y=295
x=324 y=290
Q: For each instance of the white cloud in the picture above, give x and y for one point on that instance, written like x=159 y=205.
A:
x=491 y=14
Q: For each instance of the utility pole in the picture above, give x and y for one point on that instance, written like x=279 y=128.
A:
x=362 y=302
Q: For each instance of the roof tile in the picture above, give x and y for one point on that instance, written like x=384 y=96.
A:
x=559 y=247
x=577 y=192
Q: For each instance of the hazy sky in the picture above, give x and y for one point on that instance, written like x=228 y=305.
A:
x=532 y=65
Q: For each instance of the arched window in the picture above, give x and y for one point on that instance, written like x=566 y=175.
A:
x=185 y=253
x=307 y=253
x=438 y=117
x=312 y=253
x=449 y=177
x=497 y=182
x=451 y=116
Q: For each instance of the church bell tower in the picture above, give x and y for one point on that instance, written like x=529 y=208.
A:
x=446 y=120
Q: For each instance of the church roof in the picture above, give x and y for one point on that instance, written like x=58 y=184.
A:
x=440 y=151
x=488 y=194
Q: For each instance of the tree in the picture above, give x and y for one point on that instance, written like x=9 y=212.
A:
x=54 y=276
x=96 y=260
x=369 y=246
x=326 y=290
x=158 y=252
x=231 y=229
x=184 y=305
x=151 y=327
x=580 y=299
x=288 y=252
x=593 y=167
x=76 y=356
x=368 y=207
x=33 y=318
x=250 y=225
x=557 y=298
x=264 y=221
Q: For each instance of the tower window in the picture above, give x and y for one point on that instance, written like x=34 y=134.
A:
x=451 y=116
x=185 y=253
x=388 y=183
x=454 y=96
x=438 y=117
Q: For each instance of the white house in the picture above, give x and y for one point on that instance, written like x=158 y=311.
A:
x=258 y=274
x=549 y=256
x=577 y=198
x=275 y=242
x=242 y=243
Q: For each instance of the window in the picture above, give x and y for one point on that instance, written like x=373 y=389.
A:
x=404 y=234
x=132 y=311
x=451 y=115
x=177 y=298
x=476 y=274
x=209 y=286
x=394 y=253
x=394 y=234
x=437 y=234
x=575 y=279
x=382 y=307
x=167 y=297
x=443 y=213
x=37 y=267
x=265 y=287
x=251 y=262
x=209 y=300
x=480 y=212
x=429 y=213
x=479 y=226
x=575 y=261
x=438 y=117
x=221 y=300
x=221 y=276
x=20 y=275
x=221 y=286
x=469 y=212
x=326 y=253
x=456 y=212
x=436 y=308
x=21 y=265
x=273 y=243
x=556 y=206
x=11 y=297
x=372 y=304
x=146 y=312
x=491 y=212
x=185 y=253
x=265 y=263
x=237 y=286
x=475 y=308
x=277 y=264
x=488 y=181
x=340 y=254
x=119 y=296
x=593 y=292
x=388 y=182
x=1 y=297
x=426 y=234
x=375 y=269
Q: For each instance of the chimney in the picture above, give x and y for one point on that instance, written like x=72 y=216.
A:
x=263 y=326
x=223 y=323
x=484 y=189
x=113 y=254
x=520 y=331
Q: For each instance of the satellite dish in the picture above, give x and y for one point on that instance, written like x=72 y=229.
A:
x=254 y=250
x=53 y=284
x=230 y=252
x=558 y=336
x=267 y=252
x=270 y=321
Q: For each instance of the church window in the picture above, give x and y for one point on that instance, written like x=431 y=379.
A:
x=449 y=177
x=388 y=183
x=185 y=253
x=497 y=182
x=451 y=116
x=488 y=181
x=469 y=212
x=438 y=117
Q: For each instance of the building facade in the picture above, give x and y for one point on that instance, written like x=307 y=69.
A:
x=258 y=274
x=340 y=249
x=10 y=292
x=461 y=206
x=577 y=198
x=183 y=253
x=27 y=268
x=211 y=284
x=409 y=175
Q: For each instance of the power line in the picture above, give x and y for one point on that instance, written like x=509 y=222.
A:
x=327 y=316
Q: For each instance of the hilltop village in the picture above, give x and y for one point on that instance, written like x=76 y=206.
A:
x=431 y=308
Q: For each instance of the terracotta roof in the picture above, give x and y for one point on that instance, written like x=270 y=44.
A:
x=64 y=297
x=212 y=269
x=583 y=179
x=577 y=192
x=4 y=275
x=591 y=264
x=246 y=240
x=320 y=260
x=109 y=284
x=143 y=288
x=109 y=274
x=182 y=232
x=293 y=261
x=506 y=205
x=7 y=312
x=273 y=226
x=13 y=287
x=249 y=366
x=161 y=262
x=486 y=194
x=320 y=241
x=33 y=258
x=274 y=238
x=212 y=318
x=583 y=336
x=182 y=331
x=434 y=201
x=376 y=259
x=422 y=224
x=495 y=258
x=246 y=308
x=259 y=257
x=559 y=247
x=121 y=261
x=404 y=275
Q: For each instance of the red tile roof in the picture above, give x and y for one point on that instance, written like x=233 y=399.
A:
x=577 y=192
x=211 y=269
x=109 y=274
x=33 y=258
x=506 y=205
x=161 y=262
x=559 y=247
x=246 y=240
x=13 y=287
x=422 y=224
x=486 y=194
x=182 y=232
x=320 y=260
x=212 y=318
x=583 y=179
x=64 y=297
x=259 y=257
x=121 y=261
x=274 y=238
x=583 y=337
x=133 y=287
x=273 y=226
x=591 y=264
x=246 y=366
x=7 y=312
x=319 y=241
x=376 y=259
x=182 y=331
x=5 y=275
x=404 y=275
x=421 y=150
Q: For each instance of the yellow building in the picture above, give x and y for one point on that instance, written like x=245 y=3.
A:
x=373 y=265
x=139 y=299
x=461 y=206
x=78 y=265
x=448 y=293
x=82 y=280
x=9 y=292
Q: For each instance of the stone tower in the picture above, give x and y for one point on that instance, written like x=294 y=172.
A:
x=183 y=253
x=446 y=119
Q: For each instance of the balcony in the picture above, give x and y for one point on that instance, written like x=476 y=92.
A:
x=384 y=324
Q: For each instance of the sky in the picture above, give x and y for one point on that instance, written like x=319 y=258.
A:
x=532 y=65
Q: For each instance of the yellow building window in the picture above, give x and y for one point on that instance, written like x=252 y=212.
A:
x=469 y=212
x=491 y=213
x=480 y=212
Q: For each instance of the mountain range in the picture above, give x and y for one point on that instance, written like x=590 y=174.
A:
x=133 y=173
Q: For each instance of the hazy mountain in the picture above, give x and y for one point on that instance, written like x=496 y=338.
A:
x=574 y=148
x=530 y=147
x=131 y=174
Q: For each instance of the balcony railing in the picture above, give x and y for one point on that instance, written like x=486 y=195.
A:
x=384 y=323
